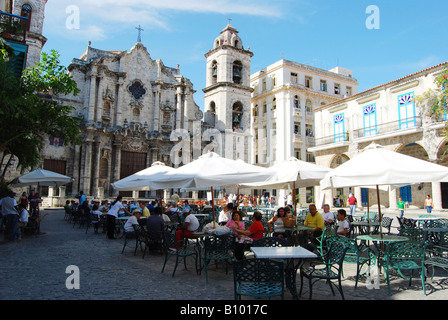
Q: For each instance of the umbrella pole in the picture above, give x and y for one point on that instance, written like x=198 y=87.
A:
x=379 y=209
x=294 y=201
x=213 y=208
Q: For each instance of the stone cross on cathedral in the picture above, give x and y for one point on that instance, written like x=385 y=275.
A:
x=139 y=37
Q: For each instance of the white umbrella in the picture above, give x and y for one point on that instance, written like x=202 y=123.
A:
x=211 y=170
x=288 y=173
x=42 y=177
x=377 y=166
x=140 y=180
x=292 y=174
x=208 y=171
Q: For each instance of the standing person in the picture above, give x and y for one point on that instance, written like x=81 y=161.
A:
x=34 y=200
x=401 y=204
x=112 y=214
x=289 y=200
x=24 y=200
x=428 y=204
x=352 y=202
x=81 y=198
x=11 y=212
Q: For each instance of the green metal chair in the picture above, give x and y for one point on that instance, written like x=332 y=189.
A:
x=355 y=254
x=270 y=242
x=258 y=278
x=331 y=270
x=403 y=256
x=329 y=231
x=217 y=248
x=180 y=251
x=416 y=235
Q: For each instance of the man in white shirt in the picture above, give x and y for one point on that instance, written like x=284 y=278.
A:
x=328 y=216
x=226 y=214
x=343 y=225
x=132 y=220
x=191 y=224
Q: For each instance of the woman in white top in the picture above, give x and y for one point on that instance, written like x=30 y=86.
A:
x=277 y=220
x=112 y=214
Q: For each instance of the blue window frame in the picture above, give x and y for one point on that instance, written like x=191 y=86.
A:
x=369 y=120
x=406 y=111
x=339 y=127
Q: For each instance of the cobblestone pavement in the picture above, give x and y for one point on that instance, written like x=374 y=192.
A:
x=35 y=268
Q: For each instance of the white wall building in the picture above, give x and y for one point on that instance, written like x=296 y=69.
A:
x=285 y=95
x=389 y=116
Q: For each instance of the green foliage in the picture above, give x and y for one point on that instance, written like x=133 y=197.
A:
x=28 y=111
x=434 y=101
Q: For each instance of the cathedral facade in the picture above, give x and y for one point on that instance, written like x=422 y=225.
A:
x=137 y=111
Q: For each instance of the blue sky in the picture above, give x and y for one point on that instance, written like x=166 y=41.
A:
x=324 y=34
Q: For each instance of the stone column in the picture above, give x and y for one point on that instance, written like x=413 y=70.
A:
x=99 y=98
x=96 y=166
x=92 y=95
x=179 y=108
x=76 y=173
x=116 y=149
x=358 y=196
x=156 y=108
x=393 y=199
x=118 y=101
x=87 y=167
x=437 y=195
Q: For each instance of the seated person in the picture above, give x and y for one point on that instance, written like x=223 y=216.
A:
x=235 y=222
x=277 y=220
x=173 y=212
x=315 y=220
x=226 y=214
x=191 y=224
x=343 y=225
x=133 y=219
x=155 y=226
x=96 y=216
x=328 y=216
x=254 y=232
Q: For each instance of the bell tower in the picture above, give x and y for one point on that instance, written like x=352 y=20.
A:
x=34 y=10
x=228 y=92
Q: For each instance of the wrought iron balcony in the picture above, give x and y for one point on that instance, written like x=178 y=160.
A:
x=389 y=127
x=13 y=27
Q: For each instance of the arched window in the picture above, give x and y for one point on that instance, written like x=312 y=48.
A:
x=237 y=115
x=308 y=105
x=212 y=107
x=296 y=102
x=104 y=168
x=26 y=12
x=237 y=72
x=214 y=71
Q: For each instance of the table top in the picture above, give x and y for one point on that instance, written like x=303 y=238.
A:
x=299 y=228
x=365 y=223
x=435 y=229
x=383 y=238
x=282 y=252
x=425 y=217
